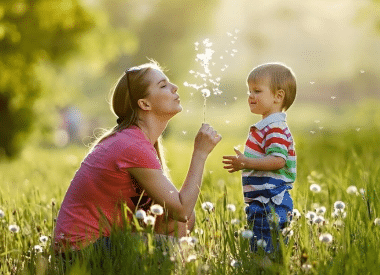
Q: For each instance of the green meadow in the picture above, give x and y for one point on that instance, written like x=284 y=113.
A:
x=335 y=153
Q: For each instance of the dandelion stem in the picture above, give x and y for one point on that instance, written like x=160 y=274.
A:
x=204 y=109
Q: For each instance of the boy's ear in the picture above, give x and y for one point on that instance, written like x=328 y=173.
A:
x=144 y=104
x=279 y=96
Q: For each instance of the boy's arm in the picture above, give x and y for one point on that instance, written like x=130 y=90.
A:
x=239 y=162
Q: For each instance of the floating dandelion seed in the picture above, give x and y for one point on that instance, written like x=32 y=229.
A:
x=247 y=234
x=44 y=239
x=227 y=121
x=184 y=132
x=231 y=207
x=377 y=221
x=207 y=206
x=2 y=214
x=157 y=209
x=140 y=214
x=339 y=205
x=357 y=129
x=312 y=132
x=333 y=97
x=362 y=71
x=14 y=228
x=149 y=220
x=352 y=190
x=312 y=82
x=326 y=238
x=315 y=188
x=38 y=249
x=235 y=97
x=262 y=243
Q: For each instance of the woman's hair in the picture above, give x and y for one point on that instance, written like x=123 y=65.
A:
x=280 y=77
x=131 y=86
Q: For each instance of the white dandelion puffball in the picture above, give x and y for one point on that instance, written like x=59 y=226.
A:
x=306 y=267
x=140 y=214
x=326 y=238
x=315 y=188
x=38 y=249
x=235 y=263
x=296 y=214
x=191 y=258
x=44 y=239
x=231 y=207
x=206 y=92
x=207 y=206
x=339 y=205
x=339 y=213
x=2 y=214
x=362 y=191
x=352 y=190
x=150 y=220
x=247 y=234
x=14 y=228
x=310 y=215
x=157 y=209
x=320 y=210
x=262 y=243
x=377 y=221
x=287 y=232
x=319 y=220
x=199 y=231
x=235 y=221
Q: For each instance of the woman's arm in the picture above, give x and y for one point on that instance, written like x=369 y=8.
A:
x=179 y=204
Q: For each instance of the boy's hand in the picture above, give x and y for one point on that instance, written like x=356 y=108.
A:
x=234 y=163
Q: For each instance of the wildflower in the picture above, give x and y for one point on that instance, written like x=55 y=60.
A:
x=338 y=223
x=326 y=238
x=306 y=267
x=339 y=205
x=199 y=231
x=247 y=234
x=319 y=220
x=235 y=221
x=262 y=243
x=320 y=210
x=140 y=214
x=315 y=188
x=287 y=232
x=157 y=209
x=37 y=248
x=207 y=206
x=231 y=207
x=2 y=214
x=377 y=221
x=362 y=191
x=235 y=263
x=352 y=190
x=149 y=220
x=43 y=239
x=191 y=258
x=310 y=215
x=14 y=228
x=296 y=214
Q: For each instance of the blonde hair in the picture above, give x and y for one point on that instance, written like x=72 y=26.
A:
x=130 y=87
x=280 y=77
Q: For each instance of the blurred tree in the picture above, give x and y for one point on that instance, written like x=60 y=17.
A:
x=31 y=31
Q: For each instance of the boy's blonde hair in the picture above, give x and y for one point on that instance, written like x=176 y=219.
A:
x=280 y=77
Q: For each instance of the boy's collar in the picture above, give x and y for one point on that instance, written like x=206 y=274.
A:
x=276 y=117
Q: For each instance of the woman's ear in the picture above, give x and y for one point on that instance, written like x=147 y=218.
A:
x=144 y=104
x=279 y=96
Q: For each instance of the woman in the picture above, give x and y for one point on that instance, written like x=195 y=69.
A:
x=124 y=166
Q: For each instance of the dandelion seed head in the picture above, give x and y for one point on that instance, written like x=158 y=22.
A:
x=37 y=249
x=306 y=267
x=352 y=190
x=199 y=231
x=315 y=188
x=247 y=234
x=207 y=206
x=338 y=223
x=44 y=239
x=235 y=263
x=231 y=207
x=262 y=243
x=319 y=220
x=310 y=215
x=191 y=258
x=377 y=221
x=206 y=92
x=157 y=209
x=235 y=221
x=2 y=214
x=140 y=214
x=326 y=238
x=14 y=228
x=320 y=210
x=296 y=214
x=149 y=220
x=339 y=205
x=287 y=232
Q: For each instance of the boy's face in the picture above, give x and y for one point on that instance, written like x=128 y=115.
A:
x=261 y=99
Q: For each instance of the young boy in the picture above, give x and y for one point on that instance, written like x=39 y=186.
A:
x=269 y=161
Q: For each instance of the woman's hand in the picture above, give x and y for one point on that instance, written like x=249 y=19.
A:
x=206 y=140
x=234 y=163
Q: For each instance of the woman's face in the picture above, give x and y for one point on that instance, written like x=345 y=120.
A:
x=163 y=97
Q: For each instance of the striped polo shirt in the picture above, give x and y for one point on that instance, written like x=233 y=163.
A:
x=270 y=136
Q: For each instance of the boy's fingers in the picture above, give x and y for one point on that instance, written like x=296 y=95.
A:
x=237 y=151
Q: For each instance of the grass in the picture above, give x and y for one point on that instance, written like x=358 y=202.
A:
x=33 y=186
